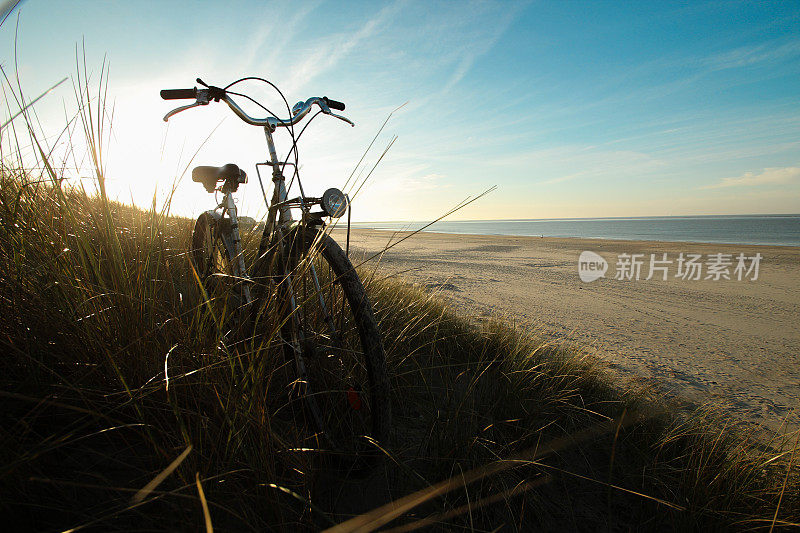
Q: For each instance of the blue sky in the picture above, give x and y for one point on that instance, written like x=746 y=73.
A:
x=573 y=109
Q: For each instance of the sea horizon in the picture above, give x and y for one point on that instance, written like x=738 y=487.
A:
x=770 y=229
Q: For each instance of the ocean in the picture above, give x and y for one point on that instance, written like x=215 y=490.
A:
x=735 y=229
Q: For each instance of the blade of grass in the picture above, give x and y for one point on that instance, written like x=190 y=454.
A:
x=206 y=513
x=164 y=474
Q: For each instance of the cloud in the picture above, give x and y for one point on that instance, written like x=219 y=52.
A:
x=751 y=55
x=278 y=37
x=425 y=183
x=329 y=53
x=769 y=176
x=565 y=163
x=400 y=177
x=502 y=20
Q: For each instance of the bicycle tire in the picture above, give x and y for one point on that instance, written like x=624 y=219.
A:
x=212 y=255
x=362 y=390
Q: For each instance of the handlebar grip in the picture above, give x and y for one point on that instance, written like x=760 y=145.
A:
x=179 y=94
x=333 y=104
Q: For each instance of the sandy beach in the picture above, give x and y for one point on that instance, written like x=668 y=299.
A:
x=735 y=343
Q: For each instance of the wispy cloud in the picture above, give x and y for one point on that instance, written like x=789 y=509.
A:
x=601 y=164
x=501 y=20
x=770 y=176
x=425 y=183
x=746 y=56
x=327 y=55
x=292 y=16
x=566 y=163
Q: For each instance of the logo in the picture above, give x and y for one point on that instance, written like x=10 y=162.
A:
x=591 y=266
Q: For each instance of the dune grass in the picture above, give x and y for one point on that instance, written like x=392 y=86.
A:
x=125 y=406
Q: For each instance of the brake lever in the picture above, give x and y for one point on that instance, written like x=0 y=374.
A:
x=340 y=117
x=327 y=110
x=182 y=108
x=202 y=99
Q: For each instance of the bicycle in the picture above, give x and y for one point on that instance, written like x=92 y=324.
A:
x=328 y=330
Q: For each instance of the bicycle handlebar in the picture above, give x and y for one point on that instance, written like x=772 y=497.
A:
x=204 y=96
x=333 y=104
x=179 y=94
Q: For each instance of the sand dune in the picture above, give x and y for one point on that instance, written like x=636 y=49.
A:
x=733 y=342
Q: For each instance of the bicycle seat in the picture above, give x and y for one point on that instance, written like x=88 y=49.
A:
x=210 y=176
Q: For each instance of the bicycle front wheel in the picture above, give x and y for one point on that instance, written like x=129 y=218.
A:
x=337 y=346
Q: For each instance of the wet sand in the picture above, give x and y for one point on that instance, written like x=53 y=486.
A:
x=735 y=343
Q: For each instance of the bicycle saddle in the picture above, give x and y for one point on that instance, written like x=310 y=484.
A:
x=209 y=176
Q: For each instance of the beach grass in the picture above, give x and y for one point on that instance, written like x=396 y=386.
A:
x=127 y=407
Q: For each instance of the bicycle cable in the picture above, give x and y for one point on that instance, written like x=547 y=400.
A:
x=291 y=126
x=256 y=78
x=259 y=104
x=294 y=149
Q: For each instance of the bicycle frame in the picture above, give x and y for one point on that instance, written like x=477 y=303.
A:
x=228 y=206
x=279 y=208
x=279 y=205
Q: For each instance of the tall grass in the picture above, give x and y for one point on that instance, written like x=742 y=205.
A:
x=127 y=407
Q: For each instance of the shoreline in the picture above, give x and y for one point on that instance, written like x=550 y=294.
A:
x=730 y=342
x=613 y=239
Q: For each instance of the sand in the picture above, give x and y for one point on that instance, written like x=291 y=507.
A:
x=728 y=342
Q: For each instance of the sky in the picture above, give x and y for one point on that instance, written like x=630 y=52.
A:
x=572 y=109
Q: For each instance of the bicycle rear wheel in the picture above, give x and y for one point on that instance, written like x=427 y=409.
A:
x=332 y=334
x=214 y=264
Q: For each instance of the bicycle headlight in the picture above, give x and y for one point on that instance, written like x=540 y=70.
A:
x=334 y=202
